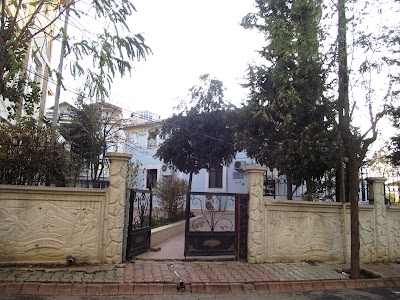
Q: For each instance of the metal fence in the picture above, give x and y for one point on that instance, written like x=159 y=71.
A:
x=276 y=186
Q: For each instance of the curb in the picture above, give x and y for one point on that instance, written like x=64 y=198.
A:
x=110 y=289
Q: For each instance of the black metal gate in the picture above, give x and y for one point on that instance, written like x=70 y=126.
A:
x=220 y=227
x=139 y=226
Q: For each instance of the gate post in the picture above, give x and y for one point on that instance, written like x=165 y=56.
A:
x=256 y=233
x=114 y=214
x=376 y=196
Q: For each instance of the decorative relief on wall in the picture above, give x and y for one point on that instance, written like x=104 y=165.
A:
x=296 y=236
x=255 y=238
x=367 y=236
x=380 y=223
x=46 y=231
x=115 y=209
x=394 y=237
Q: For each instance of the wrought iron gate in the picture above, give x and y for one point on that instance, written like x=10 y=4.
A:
x=139 y=226
x=221 y=226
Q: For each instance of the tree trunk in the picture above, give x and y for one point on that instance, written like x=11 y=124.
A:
x=187 y=210
x=348 y=140
x=353 y=168
x=289 y=189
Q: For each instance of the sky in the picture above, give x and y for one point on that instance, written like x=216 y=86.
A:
x=188 y=38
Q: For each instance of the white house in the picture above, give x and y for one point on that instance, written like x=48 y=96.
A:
x=142 y=143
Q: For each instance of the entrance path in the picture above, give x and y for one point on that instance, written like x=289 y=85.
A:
x=171 y=249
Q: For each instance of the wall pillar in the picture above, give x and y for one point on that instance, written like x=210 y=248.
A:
x=376 y=196
x=115 y=208
x=256 y=233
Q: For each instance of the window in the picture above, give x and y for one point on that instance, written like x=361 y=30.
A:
x=215 y=176
x=151 y=178
x=151 y=141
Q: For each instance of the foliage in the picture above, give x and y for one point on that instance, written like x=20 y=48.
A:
x=395 y=140
x=133 y=170
x=28 y=156
x=111 y=48
x=199 y=137
x=91 y=132
x=171 y=192
x=288 y=123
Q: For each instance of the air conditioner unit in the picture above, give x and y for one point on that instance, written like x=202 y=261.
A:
x=166 y=170
x=240 y=164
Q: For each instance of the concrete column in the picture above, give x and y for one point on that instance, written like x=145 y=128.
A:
x=376 y=196
x=115 y=208
x=256 y=233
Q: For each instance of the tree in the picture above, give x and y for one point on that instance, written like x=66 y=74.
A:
x=354 y=144
x=171 y=192
x=287 y=122
x=92 y=131
x=199 y=137
x=110 y=50
x=29 y=157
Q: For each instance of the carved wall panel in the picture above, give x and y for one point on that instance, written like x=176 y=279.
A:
x=49 y=231
x=367 y=236
x=394 y=235
x=298 y=236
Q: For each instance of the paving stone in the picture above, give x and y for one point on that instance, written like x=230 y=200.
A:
x=297 y=286
x=261 y=287
x=141 y=289
x=360 y=283
x=339 y=284
x=369 y=283
x=397 y=280
x=125 y=288
x=274 y=287
x=30 y=288
x=13 y=288
x=79 y=289
x=170 y=288
x=350 y=283
x=156 y=288
x=47 y=289
x=198 y=288
x=110 y=289
x=94 y=289
x=318 y=285
x=249 y=288
x=379 y=282
x=329 y=285
x=63 y=289
x=389 y=282
x=286 y=287
x=308 y=286
x=236 y=288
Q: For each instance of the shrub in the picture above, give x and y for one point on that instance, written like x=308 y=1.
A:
x=171 y=192
x=28 y=156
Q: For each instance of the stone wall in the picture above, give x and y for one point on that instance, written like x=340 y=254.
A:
x=293 y=231
x=51 y=225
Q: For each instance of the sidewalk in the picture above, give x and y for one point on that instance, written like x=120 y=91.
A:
x=162 y=277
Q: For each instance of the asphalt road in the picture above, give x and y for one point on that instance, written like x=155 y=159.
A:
x=345 y=294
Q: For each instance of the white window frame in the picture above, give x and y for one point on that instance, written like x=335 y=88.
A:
x=224 y=178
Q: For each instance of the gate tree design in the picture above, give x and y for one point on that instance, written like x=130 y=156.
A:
x=221 y=226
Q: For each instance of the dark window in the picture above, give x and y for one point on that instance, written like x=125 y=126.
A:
x=151 y=178
x=215 y=177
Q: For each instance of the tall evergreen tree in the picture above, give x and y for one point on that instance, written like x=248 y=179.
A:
x=294 y=120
